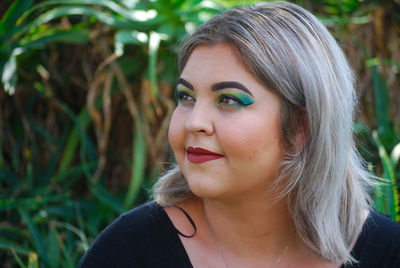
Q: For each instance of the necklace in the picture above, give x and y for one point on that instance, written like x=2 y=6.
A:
x=218 y=246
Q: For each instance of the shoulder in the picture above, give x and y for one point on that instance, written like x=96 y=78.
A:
x=379 y=242
x=130 y=239
x=135 y=223
x=381 y=229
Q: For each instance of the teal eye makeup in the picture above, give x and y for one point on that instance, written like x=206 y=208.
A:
x=234 y=99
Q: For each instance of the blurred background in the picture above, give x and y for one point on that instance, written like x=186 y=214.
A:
x=86 y=93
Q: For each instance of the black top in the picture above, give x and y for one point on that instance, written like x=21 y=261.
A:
x=145 y=237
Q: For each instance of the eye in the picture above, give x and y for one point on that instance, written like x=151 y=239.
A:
x=229 y=101
x=234 y=100
x=185 y=98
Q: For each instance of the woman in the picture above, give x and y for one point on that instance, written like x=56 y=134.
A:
x=267 y=172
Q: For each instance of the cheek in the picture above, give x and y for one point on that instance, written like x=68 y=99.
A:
x=176 y=132
x=252 y=139
x=243 y=145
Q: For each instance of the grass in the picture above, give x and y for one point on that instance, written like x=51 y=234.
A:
x=87 y=86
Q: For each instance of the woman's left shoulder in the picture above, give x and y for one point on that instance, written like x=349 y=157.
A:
x=379 y=242
x=383 y=228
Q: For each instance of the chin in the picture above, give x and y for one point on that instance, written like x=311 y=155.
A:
x=205 y=191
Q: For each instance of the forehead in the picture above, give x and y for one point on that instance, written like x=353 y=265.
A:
x=209 y=65
x=222 y=50
x=220 y=61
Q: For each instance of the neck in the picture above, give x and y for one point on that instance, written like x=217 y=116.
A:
x=250 y=229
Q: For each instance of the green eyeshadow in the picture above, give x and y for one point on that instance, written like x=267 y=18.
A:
x=243 y=98
x=185 y=90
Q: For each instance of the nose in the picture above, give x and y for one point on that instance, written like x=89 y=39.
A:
x=200 y=119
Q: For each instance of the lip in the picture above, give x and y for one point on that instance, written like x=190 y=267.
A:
x=200 y=155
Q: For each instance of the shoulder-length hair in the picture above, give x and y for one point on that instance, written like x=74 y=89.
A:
x=295 y=57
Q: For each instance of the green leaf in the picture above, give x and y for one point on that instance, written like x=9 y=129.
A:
x=8 y=244
x=111 y=5
x=390 y=188
x=52 y=164
x=17 y=258
x=395 y=156
x=8 y=73
x=9 y=21
x=32 y=203
x=35 y=235
x=8 y=176
x=103 y=196
x=386 y=133
x=33 y=261
x=154 y=44
x=124 y=37
x=78 y=232
x=379 y=199
x=105 y=18
x=9 y=203
x=53 y=248
x=81 y=123
x=138 y=168
x=75 y=36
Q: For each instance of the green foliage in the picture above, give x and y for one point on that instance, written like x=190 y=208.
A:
x=378 y=132
x=53 y=187
x=53 y=220
x=387 y=144
x=63 y=129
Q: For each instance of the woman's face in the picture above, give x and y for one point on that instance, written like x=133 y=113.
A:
x=225 y=130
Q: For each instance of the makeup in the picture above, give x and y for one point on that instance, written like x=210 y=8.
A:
x=185 y=95
x=230 y=84
x=199 y=155
x=231 y=94
x=234 y=99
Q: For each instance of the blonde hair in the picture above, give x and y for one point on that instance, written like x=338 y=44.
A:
x=295 y=57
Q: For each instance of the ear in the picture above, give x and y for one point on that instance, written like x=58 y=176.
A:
x=302 y=129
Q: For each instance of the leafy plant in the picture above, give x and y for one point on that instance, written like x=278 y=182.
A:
x=85 y=103
x=52 y=164
x=387 y=144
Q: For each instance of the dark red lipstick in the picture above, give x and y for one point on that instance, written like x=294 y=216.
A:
x=200 y=155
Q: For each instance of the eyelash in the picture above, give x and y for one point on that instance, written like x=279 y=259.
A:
x=182 y=95
x=237 y=101
x=187 y=99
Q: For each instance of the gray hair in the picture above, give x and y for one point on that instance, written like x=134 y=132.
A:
x=295 y=57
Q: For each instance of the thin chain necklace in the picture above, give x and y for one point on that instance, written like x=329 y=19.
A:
x=222 y=253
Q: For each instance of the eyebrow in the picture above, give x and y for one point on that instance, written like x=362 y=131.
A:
x=230 y=84
x=216 y=86
x=185 y=83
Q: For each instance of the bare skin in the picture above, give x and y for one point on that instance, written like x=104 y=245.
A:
x=249 y=236
x=242 y=127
